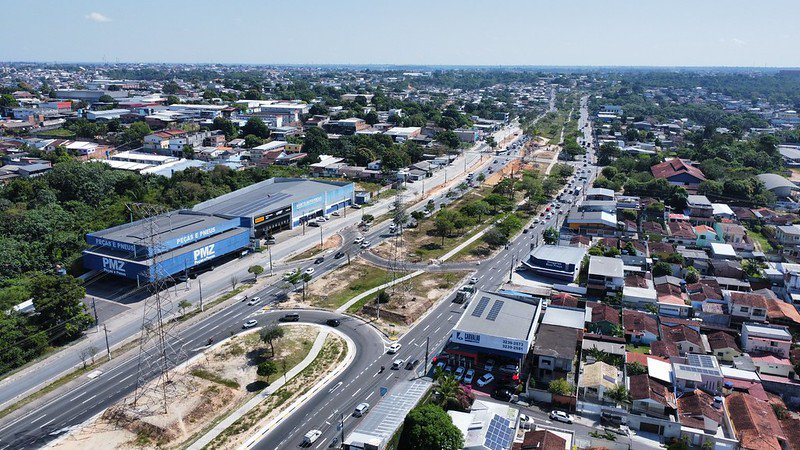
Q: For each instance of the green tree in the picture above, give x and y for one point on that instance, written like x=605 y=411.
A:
x=371 y=117
x=560 y=386
x=105 y=98
x=266 y=369
x=170 y=88
x=256 y=270
x=692 y=275
x=8 y=101
x=188 y=151
x=619 y=394
x=172 y=100
x=550 y=236
x=428 y=427
x=271 y=334
x=59 y=306
x=383 y=297
x=228 y=128
x=20 y=341
x=448 y=138
x=251 y=141
x=443 y=225
x=136 y=132
x=256 y=127
x=636 y=368
x=662 y=268
x=184 y=305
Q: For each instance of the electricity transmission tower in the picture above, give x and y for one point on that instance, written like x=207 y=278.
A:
x=160 y=350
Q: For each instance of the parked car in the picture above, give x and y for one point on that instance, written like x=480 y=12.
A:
x=525 y=422
x=313 y=224
x=361 y=409
x=250 y=324
x=485 y=379
x=489 y=366
x=503 y=394
x=561 y=416
x=459 y=373
x=510 y=368
x=473 y=280
x=254 y=301
x=394 y=348
x=469 y=376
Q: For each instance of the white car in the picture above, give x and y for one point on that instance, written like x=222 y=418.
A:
x=358 y=240
x=397 y=364
x=290 y=274
x=394 y=348
x=309 y=271
x=485 y=379
x=365 y=244
x=254 y=301
x=525 y=422
x=250 y=324
x=311 y=437
x=361 y=409
x=561 y=416
x=459 y=373
x=469 y=376
x=473 y=280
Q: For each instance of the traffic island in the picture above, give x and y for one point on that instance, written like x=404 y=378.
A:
x=210 y=386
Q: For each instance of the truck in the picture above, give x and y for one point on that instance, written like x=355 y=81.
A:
x=464 y=294
x=311 y=437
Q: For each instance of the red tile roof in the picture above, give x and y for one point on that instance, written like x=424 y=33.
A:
x=694 y=407
x=721 y=340
x=642 y=387
x=754 y=422
x=636 y=322
x=541 y=440
x=674 y=167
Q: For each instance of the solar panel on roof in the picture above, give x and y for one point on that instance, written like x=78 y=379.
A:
x=481 y=306
x=498 y=305
x=499 y=434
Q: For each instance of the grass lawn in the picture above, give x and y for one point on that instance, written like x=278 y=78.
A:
x=336 y=288
x=643 y=349
x=761 y=239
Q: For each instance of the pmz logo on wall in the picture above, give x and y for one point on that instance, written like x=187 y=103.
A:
x=204 y=254
x=114 y=266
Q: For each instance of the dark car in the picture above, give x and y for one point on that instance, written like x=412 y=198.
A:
x=319 y=260
x=502 y=394
x=411 y=364
x=333 y=322
x=338 y=255
x=291 y=317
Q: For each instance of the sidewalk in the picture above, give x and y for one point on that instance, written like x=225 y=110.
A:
x=253 y=402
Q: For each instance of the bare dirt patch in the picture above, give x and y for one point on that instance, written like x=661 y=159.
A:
x=207 y=390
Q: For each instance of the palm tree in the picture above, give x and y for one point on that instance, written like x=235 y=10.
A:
x=619 y=394
x=448 y=390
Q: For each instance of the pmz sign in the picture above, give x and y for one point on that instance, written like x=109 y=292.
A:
x=204 y=254
x=114 y=266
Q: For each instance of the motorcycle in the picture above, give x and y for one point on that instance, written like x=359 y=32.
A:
x=382 y=369
x=210 y=341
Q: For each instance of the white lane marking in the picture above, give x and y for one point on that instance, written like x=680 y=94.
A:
x=39 y=418
x=88 y=399
x=78 y=396
x=47 y=423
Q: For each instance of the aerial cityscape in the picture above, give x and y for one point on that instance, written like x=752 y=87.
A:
x=486 y=226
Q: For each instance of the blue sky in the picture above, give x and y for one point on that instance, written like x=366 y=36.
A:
x=466 y=32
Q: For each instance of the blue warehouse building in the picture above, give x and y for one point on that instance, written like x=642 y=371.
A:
x=200 y=238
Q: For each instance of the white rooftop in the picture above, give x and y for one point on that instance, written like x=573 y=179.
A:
x=564 y=317
x=607 y=267
x=723 y=249
x=660 y=370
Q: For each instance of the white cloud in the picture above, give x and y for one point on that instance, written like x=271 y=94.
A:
x=97 y=17
x=738 y=41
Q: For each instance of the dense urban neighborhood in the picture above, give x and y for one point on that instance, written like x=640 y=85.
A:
x=215 y=256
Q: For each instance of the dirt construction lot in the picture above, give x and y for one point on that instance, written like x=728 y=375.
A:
x=205 y=391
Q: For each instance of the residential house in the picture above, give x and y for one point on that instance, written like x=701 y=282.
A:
x=699 y=209
x=698 y=371
x=754 y=423
x=681 y=233
x=746 y=306
x=605 y=319
x=682 y=337
x=735 y=235
x=724 y=346
x=701 y=411
x=605 y=274
x=541 y=440
x=640 y=327
x=705 y=235
x=651 y=397
x=554 y=352
x=676 y=171
x=596 y=379
x=757 y=337
x=770 y=364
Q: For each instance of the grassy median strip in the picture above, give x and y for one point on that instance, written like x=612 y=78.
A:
x=206 y=375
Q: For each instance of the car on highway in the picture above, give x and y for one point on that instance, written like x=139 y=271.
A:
x=394 y=348
x=361 y=409
x=319 y=260
x=291 y=317
x=561 y=416
x=473 y=280
x=459 y=372
x=503 y=394
x=411 y=364
x=397 y=364
x=290 y=273
x=335 y=213
x=333 y=322
x=250 y=324
x=254 y=301
x=313 y=224
x=311 y=437
x=358 y=240
x=309 y=271
x=524 y=231
x=365 y=244
x=469 y=376
x=485 y=379
x=338 y=255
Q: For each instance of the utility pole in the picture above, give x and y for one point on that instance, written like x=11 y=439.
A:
x=427 y=342
x=269 y=250
x=200 y=286
x=511 y=270
x=341 y=421
x=96 y=321
x=108 y=348
x=321 y=244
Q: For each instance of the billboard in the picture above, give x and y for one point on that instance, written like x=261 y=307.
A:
x=490 y=342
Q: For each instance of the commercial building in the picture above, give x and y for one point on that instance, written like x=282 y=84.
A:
x=191 y=240
x=556 y=261
x=494 y=326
